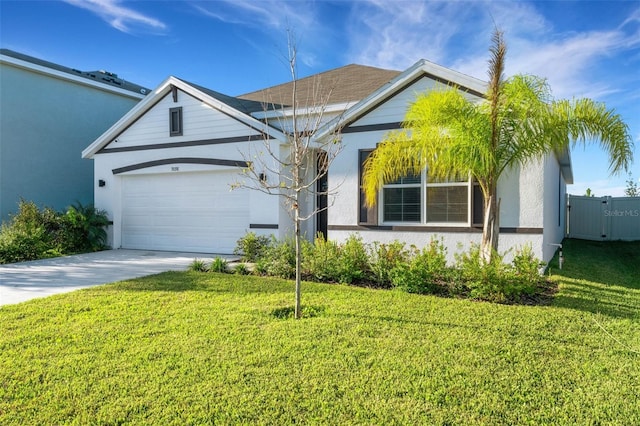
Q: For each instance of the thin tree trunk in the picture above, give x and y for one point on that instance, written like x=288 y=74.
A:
x=298 y=308
x=491 y=228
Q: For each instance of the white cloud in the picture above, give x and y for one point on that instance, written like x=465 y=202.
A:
x=457 y=35
x=266 y=16
x=396 y=34
x=119 y=17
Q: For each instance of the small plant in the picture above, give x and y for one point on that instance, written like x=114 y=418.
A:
x=353 y=261
x=497 y=281
x=320 y=260
x=280 y=258
x=218 y=265
x=383 y=258
x=425 y=273
x=86 y=228
x=251 y=247
x=241 y=269
x=198 y=265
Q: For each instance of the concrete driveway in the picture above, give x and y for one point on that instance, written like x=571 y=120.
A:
x=24 y=281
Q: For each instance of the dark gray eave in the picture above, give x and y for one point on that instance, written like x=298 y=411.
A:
x=102 y=77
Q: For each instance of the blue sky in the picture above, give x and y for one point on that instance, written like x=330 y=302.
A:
x=584 y=48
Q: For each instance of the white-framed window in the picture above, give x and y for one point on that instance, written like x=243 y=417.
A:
x=419 y=199
x=447 y=201
x=402 y=200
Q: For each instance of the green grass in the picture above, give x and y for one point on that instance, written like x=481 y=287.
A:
x=194 y=348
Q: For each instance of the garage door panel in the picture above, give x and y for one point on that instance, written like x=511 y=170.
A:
x=183 y=211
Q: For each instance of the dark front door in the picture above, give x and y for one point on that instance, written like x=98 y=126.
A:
x=322 y=186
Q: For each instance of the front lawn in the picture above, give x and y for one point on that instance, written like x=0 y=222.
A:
x=193 y=348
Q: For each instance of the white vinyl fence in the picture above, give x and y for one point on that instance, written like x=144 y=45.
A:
x=603 y=218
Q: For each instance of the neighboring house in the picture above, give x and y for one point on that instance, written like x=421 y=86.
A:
x=167 y=167
x=48 y=114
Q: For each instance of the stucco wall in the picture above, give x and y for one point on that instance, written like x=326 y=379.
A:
x=520 y=190
x=45 y=124
x=555 y=211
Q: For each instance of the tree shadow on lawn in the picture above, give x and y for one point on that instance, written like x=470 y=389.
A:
x=599 y=277
x=174 y=281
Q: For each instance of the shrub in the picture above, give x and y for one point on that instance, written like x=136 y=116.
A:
x=252 y=247
x=280 y=258
x=425 y=273
x=241 y=269
x=218 y=265
x=198 y=265
x=321 y=260
x=353 y=260
x=35 y=233
x=527 y=267
x=30 y=234
x=497 y=281
x=84 y=228
x=383 y=258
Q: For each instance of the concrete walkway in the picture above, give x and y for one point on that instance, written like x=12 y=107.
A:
x=24 y=281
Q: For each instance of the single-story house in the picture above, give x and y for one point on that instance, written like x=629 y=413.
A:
x=164 y=171
x=49 y=112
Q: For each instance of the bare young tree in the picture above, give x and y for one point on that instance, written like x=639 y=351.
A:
x=302 y=162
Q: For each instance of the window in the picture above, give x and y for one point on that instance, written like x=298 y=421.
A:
x=175 y=121
x=448 y=201
x=421 y=200
x=402 y=201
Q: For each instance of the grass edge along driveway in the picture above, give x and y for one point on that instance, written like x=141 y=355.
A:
x=190 y=348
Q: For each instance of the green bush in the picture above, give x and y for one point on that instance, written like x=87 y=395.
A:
x=198 y=265
x=218 y=264
x=280 y=258
x=497 y=281
x=84 y=228
x=35 y=233
x=328 y=261
x=383 y=258
x=353 y=260
x=321 y=260
x=252 y=247
x=425 y=273
x=241 y=269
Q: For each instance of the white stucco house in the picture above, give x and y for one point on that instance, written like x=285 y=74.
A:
x=164 y=170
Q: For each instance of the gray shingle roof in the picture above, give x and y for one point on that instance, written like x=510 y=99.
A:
x=101 y=76
x=243 y=105
x=345 y=84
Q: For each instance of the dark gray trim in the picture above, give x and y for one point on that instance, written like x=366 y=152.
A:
x=400 y=89
x=372 y=127
x=441 y=229
x=235 y=139
x=186 y=160
x=263 y=226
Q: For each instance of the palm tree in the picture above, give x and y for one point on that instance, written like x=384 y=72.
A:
x=517 y=122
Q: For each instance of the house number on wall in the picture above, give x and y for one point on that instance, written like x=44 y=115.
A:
x=175 y=169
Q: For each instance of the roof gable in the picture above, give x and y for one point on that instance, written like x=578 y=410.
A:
x=402 y=81
x=213 y=99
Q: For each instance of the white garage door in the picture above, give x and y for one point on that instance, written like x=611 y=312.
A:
x=193 y=212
